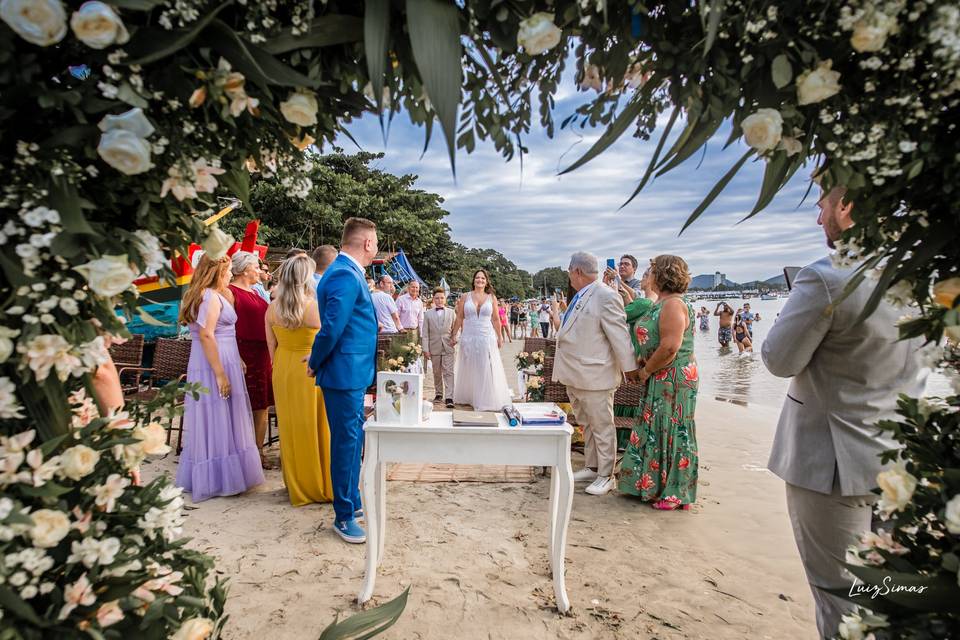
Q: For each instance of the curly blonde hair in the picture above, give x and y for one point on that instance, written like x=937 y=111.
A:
x=670 y=274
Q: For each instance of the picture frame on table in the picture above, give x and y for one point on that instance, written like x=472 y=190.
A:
x=399 y=398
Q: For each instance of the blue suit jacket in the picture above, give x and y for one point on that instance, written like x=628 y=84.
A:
x=344 y=351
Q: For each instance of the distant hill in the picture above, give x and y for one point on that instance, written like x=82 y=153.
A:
x=776 y=281
x=706 y=282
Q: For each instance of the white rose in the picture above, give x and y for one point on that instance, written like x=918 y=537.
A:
x=78 y=461
x=49 y=527
x=300 y=108
x=98 y=26
x=869 y=36
x=125 y=151
x=762 y=130
x=538 y=33
x=898 y=486
x=791 y=145
x=133 y=121
x=194 y=629
x=818 y=84
x=852 y=627
x=6 y=342
x=217 y=243
x=150 y=251
x=39 y=22
x=952 y=515
x=108 y=275
x=153 y=437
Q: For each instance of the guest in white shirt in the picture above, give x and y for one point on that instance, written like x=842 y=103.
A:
x=388 y=316
x=324 y=255
x=410 y=307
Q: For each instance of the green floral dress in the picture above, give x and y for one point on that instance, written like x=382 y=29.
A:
x=660 y=461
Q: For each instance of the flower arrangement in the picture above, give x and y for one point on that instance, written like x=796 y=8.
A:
x=531 y=362
x=402 y=355
x=86 y=547
x=535 y=391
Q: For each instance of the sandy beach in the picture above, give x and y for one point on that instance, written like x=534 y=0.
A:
x=475 y=554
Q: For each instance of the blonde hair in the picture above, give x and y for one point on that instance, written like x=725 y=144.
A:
x=207 y=275
x=294 y=290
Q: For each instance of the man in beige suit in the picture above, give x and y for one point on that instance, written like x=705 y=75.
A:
x=593 y=351
x=435 y=339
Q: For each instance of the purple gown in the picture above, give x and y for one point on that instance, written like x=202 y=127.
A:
x=219 y=457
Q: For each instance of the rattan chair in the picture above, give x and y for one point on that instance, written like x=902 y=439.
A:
x=628 y=394
x=534 y=344
x=550 y=347
x=170 y=362
x=128 y=358
x=547 y=368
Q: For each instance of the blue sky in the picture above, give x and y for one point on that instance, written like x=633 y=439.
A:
x=537 y=218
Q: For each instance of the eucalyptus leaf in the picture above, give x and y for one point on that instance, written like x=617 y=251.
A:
x=703 y=131
x=11 y=603
x=773 y=176
x=434 y=27
x=781 y=70
x=254 y=62
x=325 y=31
x=136 y=5
x=717 y=188
x=369 y=623
x=376 y=35
x=65 y=199
x=713 y=24
x=616 y=129
x=656 y=156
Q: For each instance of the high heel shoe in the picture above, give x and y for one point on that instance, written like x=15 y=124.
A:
x=669 y=505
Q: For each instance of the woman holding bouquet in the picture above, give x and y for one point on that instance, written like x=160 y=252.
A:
x=660 y=462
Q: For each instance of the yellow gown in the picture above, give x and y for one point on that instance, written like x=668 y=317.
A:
x=302 y=419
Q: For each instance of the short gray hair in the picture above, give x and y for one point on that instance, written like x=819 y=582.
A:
x=585 y=262
x=241 y=260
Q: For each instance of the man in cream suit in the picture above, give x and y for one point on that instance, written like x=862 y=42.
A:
x=435 y=339
x=846 y=377
x=593 y=351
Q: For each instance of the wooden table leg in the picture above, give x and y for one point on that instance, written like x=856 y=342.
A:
x=369 y=488
x=564 y=473
x=381 y=509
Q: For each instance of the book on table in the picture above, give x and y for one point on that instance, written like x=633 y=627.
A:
x=462 y=418
x=540 y=413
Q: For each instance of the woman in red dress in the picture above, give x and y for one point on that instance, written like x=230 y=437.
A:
x=252 y=339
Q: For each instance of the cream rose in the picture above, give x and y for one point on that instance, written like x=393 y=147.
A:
x=871 y=35
x=538 y=33
x=818 y=84
x=133 y=121
x=762 y=130
x=108 y=276
x=153 y=439
x=300 y=109
x=194 y=629
x=39 y=22
x=98 y=26
x=78 y=461
x=945 y=292
x=217 y=243
x=49 y=527
x=6 y=342
x=898 y=486
x=951 y=515
x=791 y=145
x=125 y=151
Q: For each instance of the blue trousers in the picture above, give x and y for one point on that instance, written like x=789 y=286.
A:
x=345 y=415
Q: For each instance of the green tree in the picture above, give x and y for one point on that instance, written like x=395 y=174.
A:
x=550 y=279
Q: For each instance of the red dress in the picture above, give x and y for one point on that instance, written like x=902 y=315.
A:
x=252 y=343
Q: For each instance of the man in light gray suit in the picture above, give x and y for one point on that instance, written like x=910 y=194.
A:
x=846 y=377
x=435 y=339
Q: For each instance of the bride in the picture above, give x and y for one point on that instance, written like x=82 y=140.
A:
x=480 y=380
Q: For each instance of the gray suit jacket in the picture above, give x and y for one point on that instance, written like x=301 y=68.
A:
x=846 y=377
x=435 y=333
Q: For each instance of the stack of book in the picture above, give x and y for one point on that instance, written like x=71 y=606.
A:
x=540 y=413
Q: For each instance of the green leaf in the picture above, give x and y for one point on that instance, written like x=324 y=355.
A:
x=136 y=5
x=782 y=71
x=324 y=31
x=237 y=180
x=258 y=65
x=47 y=490
x=713 y=24
x=376 y=34
x=126 y=93
x=773 y=176
x=13 y=604
x=703 y=131
x=941 y=593
x=717 y=188
x=656 y=156
x=74 y=136
x=368 y=623
x=50 y=445
x=11 y=269
x=616 y=129
x=65 y=199
x=914 y=168
x=150 y=45
x=434 y=27
x=44 y=404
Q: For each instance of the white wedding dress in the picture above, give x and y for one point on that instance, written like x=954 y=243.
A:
x=480 y=379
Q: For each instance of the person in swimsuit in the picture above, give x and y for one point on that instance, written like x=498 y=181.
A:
x=704 y=317
x=742 y=335
x=725 y=333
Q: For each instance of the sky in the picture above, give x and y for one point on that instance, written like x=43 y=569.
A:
x=537 y=218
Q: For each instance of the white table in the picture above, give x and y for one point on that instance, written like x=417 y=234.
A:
x=438 y=441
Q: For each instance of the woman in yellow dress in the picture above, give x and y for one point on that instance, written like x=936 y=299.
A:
x=292 y=321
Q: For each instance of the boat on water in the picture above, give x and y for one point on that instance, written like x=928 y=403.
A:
x=769 y=296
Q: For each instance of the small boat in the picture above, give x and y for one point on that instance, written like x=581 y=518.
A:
x=769 y=296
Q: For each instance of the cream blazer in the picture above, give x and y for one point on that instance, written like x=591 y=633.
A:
x=593 y=345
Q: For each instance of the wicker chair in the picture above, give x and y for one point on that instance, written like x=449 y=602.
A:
x=547 y=368
x=534 y=344
x=128 y=357
x=550 y=347
x=170 y=362
x=629 y=394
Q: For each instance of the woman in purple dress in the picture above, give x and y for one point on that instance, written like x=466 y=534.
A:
x=220 y=457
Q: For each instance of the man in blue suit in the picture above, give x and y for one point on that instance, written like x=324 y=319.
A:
x=343 y=360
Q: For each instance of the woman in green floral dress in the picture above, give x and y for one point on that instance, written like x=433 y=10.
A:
x=660 y=462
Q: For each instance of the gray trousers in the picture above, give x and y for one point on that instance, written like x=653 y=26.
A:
x=824 y=526
x=443 y=374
